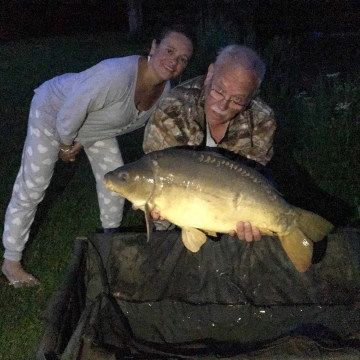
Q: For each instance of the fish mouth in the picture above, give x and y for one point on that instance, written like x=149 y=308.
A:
x=108 y=183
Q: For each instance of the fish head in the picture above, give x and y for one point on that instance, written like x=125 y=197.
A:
x=134 y=181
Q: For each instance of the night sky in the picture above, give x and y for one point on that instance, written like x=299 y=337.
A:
x=19 y=19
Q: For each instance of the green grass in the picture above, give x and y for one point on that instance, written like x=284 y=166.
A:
x=62 y=218
x=322 y=136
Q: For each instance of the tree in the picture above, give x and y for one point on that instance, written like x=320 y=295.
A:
x=135 y=15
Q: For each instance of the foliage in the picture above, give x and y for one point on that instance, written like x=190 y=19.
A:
x=318 y=118
x=328 y=139
x=213 y=34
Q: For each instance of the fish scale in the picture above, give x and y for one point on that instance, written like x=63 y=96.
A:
x=205 y=193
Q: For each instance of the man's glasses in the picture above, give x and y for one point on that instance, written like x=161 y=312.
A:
x=234 y=104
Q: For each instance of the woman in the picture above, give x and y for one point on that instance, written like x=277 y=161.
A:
x=87 y=109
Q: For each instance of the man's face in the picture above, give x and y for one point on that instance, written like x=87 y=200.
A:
x=228 y=91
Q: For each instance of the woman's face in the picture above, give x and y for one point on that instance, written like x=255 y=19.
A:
x=170 y=57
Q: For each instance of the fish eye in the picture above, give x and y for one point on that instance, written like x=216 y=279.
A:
x=123 y=176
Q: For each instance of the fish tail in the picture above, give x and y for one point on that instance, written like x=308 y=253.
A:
x=313 y=226
x=298 y=244
x=299 y=249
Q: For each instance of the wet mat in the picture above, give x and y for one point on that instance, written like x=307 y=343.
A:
x=126 y=298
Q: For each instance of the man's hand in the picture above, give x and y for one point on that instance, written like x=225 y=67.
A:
x=155 y=213
x=245 y=231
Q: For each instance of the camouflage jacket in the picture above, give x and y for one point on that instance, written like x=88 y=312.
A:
x=179 y=120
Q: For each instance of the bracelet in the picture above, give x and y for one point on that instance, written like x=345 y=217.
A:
x=66 y=151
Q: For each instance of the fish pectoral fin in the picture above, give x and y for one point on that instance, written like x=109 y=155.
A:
x=193 y=238
x=148 y=219
x=209 y=233
x=268 y=232
x=299 y=249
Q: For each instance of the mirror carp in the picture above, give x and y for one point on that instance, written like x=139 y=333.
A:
x=204 y=193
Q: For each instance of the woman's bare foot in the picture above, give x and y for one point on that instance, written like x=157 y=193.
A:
x=16 y=275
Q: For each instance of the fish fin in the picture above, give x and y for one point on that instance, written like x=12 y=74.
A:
x=148 y=219
x=313 y=225
x=299 y=249
x=209 y=233
x=193 y=238
x=268 y=232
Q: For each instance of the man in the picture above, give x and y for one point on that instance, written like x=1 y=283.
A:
x=221 y=110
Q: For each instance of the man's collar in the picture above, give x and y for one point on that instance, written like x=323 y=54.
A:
x=202 y=96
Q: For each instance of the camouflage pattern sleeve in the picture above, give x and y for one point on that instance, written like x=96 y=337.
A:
x=262 y=140
x=175 y=121
x=161 y=132
x=251 y=133
x=179 y=120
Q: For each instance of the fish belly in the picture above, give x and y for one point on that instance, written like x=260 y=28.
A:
x=206 y=211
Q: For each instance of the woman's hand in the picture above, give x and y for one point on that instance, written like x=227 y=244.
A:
x=245 y=231
x=68 y=152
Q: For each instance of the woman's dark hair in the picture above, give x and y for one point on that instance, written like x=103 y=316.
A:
x=180 y=28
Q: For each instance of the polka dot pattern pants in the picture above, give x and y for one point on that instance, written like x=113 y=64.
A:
x=39 y=156
x=105 y=156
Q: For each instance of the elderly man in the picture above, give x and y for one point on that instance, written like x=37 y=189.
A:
x=221 y=110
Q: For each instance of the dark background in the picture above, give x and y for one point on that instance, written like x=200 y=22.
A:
x=326 y=32
x=266 y=18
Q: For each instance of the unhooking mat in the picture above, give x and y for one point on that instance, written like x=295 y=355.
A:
x=126 y=298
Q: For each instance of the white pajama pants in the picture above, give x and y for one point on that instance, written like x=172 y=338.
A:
x=37 y=166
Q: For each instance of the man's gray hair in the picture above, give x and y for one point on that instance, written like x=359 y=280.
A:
x=242 y=56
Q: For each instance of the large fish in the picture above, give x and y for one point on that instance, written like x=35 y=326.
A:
x=205 y=193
